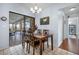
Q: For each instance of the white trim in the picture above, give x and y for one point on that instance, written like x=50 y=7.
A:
x=60 y=43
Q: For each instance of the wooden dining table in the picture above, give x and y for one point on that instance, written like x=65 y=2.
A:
x=42 y=37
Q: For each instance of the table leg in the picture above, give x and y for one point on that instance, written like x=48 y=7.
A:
x=52 y=42
x=40 y=47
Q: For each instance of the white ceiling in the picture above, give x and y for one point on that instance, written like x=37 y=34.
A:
x=43 y=5
x=46 y=5
x=68 y=12
x=61 y=6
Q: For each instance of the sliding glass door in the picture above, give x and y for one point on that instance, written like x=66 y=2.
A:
x=29 y=22
x=18 y=24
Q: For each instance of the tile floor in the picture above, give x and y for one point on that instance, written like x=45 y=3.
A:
x=15 y=39
x=18 y=50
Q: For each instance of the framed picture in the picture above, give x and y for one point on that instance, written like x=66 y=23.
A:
x=72 y=29
x=44 y=21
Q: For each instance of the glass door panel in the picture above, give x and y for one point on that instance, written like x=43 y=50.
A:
x=29 y=22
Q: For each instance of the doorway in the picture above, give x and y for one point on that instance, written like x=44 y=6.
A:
x=71 y=34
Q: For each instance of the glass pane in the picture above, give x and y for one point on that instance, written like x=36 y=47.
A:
x=27 y=23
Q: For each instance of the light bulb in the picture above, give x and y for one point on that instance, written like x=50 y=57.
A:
x=37 y=11
x=72 y=9
x=36 y=8
x=40 y=9
x=10 y=25
x=31 y=9
x=18 y=25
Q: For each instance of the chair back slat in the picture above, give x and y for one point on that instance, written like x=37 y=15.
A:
x=46 y=32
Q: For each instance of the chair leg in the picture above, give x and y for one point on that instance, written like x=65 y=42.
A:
x=47 y=44
x=33 y=51
x=29 y=49
x=43 y=46
x=23 y=45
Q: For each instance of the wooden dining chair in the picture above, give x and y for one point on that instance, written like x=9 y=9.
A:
x=25 y=39
x=31 y=41
x=39 y=31
x=34 y=43
x=46 y=33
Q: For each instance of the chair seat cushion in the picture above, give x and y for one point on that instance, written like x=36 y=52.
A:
x=45 y=39
x=36 y=42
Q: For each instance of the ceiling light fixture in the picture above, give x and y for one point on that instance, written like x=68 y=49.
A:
x=35 y=9
x=72 y=9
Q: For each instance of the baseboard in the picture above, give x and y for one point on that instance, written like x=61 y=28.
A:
x=60 y=43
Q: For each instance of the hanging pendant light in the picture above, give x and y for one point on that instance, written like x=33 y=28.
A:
x=35 y=9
